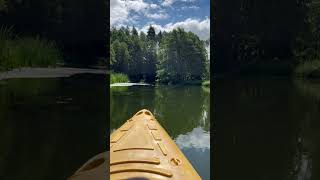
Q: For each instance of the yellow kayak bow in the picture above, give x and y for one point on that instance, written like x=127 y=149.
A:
x=142 y=149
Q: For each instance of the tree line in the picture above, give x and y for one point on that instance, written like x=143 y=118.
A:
x=79 y=27
x=251 y=32
x=167 y=57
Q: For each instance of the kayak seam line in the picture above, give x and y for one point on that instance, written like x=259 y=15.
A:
x=133 y=149
x=153 y=171
x=147 y=161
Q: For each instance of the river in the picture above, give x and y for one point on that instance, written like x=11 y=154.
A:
x=263 y=128
x=184 y=111
x=49 y=127
x=266 y=129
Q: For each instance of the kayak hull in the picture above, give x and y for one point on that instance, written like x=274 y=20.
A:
x=141 y=148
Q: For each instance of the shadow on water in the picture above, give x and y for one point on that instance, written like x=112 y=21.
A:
x=182 y=110
x=48 y=127
x=267 y=129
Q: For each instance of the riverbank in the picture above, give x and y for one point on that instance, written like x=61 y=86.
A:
x=48 y=72
x=307 y=70
x=128 y=84
x=119 y=79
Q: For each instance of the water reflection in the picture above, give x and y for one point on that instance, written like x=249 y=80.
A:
x=197 y=139
x=307 y=158
x=267 y=129
x=48 y=127
x=184 y=111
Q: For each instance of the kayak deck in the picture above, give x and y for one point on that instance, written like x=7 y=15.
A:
x=141 y=148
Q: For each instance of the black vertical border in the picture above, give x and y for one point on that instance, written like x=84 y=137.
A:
x=107 y=43
x=212 y=102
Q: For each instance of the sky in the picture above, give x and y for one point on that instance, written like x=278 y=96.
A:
x=164 y=15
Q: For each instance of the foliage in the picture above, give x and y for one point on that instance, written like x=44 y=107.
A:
x=134 y=54
x=3 y=5
x=118 y=78
x=307 y=46
x=79 y=26
x=150 y=57
x=182 y=57
x=255 y=32
x=308 y=69
x=121 y=55
x=206 y=83
x=27 y=51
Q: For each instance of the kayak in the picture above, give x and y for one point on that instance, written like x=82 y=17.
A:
x=95 y=168
x=142 y=149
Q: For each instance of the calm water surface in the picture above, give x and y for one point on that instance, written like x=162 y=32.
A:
x=266 y=129
x=182 y=110
x=51 y=127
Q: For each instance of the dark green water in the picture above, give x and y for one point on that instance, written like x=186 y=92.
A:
x=51 y=127
x=267 y=129
x=184 y=111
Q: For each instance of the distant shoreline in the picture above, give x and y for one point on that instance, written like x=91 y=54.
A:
x=128 y=84
x=48 y=72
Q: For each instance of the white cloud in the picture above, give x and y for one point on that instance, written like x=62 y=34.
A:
x=197 y=138
x=199 y=27
x=137 y=5
x=189 y=7
x=167 y=2
x=157 y=16
x=170 y=2
x=120 y=11
x=154 y=6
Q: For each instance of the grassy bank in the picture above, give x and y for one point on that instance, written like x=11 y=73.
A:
x=123 y=78
x=192 y=83
x=118 y=78
x=206 y=83
x=16 y=52
x=308 y=69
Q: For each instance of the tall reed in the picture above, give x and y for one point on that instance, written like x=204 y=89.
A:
x=16 y=52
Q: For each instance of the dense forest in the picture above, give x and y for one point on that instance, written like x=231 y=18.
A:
x=274 y=37
x=166 y=57
x=78 y=27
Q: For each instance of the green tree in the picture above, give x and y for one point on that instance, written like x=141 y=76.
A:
x=151 y=34
x=3 y=5
x=150 y=62
x=112 y=56
x=248 y=32
x=182 y=57
x=121 y=57
x=134 y=31
x=307 y=46
x=159 y=37
x=136 y=60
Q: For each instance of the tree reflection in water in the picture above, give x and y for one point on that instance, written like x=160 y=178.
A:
x=267 y=129
x=183 y=111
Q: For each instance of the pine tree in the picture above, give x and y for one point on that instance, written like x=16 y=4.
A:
x=151 y=35
x=134 y=31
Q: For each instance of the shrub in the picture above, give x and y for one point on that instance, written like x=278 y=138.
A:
x=118 y=78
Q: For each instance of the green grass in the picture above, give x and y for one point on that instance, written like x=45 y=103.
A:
x=308 y=69
x=206 y=83
x=18 y=52
x=118 y=78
